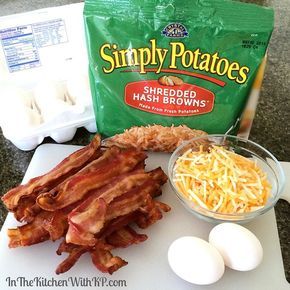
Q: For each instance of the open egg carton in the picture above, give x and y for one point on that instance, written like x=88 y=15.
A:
x=44 y=86
x=51 y=108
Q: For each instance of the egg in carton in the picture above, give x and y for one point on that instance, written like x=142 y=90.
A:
x=54 y=108
x=17 y=104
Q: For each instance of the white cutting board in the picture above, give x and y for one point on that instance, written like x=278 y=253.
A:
x=148 y=268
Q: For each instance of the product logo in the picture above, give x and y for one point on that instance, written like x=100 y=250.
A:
x=175 y=30
x=176 y=58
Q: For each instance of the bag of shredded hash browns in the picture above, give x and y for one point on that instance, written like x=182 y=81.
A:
x=173 y=62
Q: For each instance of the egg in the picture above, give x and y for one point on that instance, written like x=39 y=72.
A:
x=78 y=87
x=52 y=100
x=195 y=260
x=18 y=102
x=240 y=248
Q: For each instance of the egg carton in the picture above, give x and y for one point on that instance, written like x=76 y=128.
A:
x=44 y=86
x=59 y=134
x=54 y=109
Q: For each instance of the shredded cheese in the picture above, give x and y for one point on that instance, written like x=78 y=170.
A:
x=221 y=180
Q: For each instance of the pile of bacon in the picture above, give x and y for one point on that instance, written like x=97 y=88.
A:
x=90 y=199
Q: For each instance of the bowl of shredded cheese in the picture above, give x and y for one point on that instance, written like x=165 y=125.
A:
x=225 y=178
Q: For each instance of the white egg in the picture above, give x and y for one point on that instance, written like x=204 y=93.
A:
x=240 y=248
x=78 y=87
x=195 y=261
x=11 y=97
x=17 y=110
x=46 y=92
x=51 y=98
x=25 y=119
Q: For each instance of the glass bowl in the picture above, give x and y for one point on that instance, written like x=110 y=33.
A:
x=265 y=160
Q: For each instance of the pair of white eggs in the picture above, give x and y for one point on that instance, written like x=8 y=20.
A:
x=200 y=262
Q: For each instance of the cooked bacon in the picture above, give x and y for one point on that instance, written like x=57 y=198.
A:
x=82 y=227
x=122 y=238
x=26 y=209
x=64 y=247
x=67 y=167
x=46 y=225
x=97 y=174
x=135 y=198
x=29 y=234
x=92 y=208
x=47 y=198
x=75 y=253
x=56 y=224
x=101 y=257
x=163 y=206
x=87 y=220
x=26 y=235
x=30 y=212
x=116 y=224
x=117 y=187
x=159 y=176
x=151 y=213
x=131 y=201
x=125 y=237
x=106 y=262
x=153 y=137
x=100 y=252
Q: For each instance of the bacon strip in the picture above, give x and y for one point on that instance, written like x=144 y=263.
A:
x=116 y=224
x=100 y=253
x=95 y=175
x=116 y=233
x=94 y=166
x=131 y=201
x=56 y=224
x=29 y=234
x=137 y=197
x=46 y=225
x=68 y=166
x=125 y=237
x=106 y=262
x=116 y=187
x=26 y=209
x=101 y=257
x=151 y=213
x=82 y=227
x=75 y=253
x=85 y=221
x=163 y=206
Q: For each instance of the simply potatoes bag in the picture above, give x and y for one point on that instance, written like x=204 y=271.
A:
x=173 y=62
